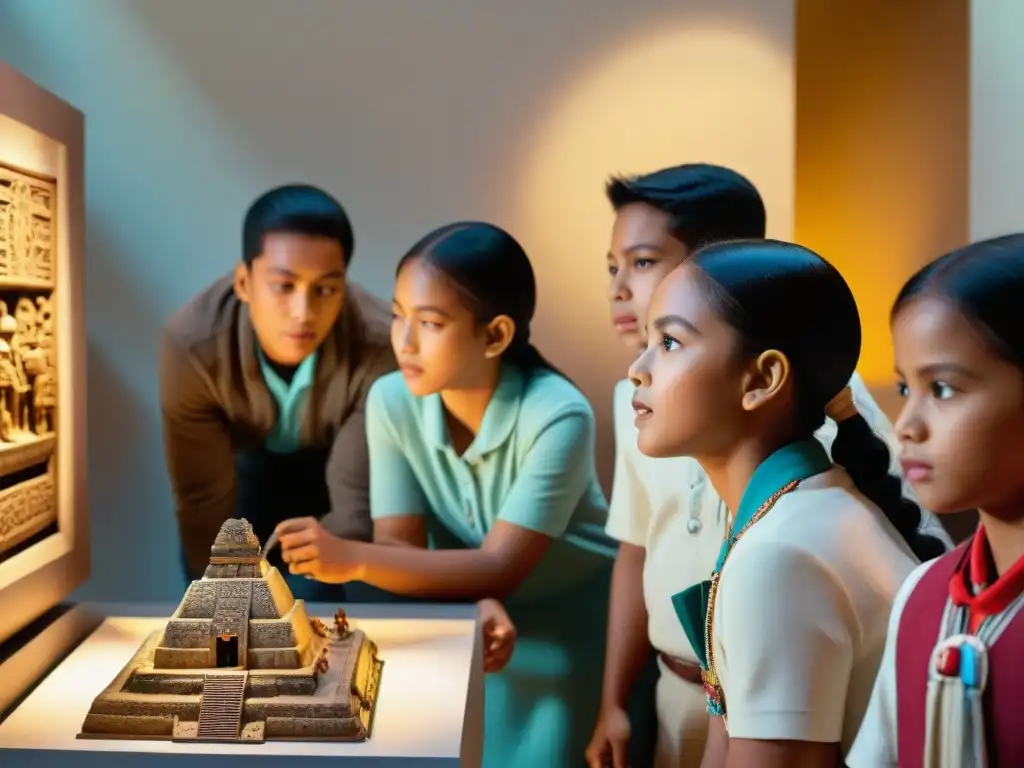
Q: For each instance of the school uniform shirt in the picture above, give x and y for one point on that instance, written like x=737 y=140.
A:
x=668 y=507
x=530 y=464
x=218 y=398
x=877 y=739
x=802 y=609
x=290 y=398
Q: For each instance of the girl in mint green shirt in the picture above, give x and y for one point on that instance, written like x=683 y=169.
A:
x=483 y=485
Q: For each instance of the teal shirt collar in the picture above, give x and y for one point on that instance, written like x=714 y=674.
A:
x=301 y=380
x=796 y=461
x=499 y=419
x=290 y=398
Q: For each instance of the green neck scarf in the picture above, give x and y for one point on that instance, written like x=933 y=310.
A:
x=793 y=462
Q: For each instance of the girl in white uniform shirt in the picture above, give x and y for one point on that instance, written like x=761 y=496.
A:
x=667 y=516
x=750 y=344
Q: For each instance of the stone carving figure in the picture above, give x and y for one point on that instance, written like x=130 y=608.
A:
x=44 y=318
x=25 y=315
x=34 y=356
x=14 y=384
x=44 y=391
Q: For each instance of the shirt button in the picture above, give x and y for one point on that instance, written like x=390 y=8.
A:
x=693 y=525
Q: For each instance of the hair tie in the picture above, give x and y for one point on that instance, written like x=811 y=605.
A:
x=841 y=407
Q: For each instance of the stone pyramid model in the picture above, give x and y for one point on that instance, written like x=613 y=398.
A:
x=240 y=660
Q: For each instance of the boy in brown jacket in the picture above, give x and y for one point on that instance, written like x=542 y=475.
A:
x=263 y=377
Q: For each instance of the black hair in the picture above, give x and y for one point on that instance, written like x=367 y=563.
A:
x=492 y=272
x=298 y=209
x=785 y=297
x=707 y=203
x=985 y=282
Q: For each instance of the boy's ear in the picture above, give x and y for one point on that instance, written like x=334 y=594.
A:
x=242 y=277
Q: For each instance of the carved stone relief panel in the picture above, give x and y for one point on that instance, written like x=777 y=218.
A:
x=28 y=357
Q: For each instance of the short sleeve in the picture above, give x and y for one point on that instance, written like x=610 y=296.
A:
x=784 y=627
x=629 y=512
x=876 y=745
x=394 y=489
x=555 y=474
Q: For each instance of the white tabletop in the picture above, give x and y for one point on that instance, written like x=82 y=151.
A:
x=431 y=691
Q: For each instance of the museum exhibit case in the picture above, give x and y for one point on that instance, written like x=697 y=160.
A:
x=428 y=709
x=44 y=533
x=241 y=660
x=238 y=671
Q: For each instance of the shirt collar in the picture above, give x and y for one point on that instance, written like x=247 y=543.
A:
x=974 y=585
x=796 y=461
x=499 y=420
x=285 y=392
x=332 y=355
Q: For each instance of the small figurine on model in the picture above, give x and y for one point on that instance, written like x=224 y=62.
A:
x=322 y=664
x=340 y=623
x=318 y=627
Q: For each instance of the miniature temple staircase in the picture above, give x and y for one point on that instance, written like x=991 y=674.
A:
x=220 y=710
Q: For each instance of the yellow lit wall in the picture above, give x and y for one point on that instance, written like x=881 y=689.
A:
x=882 y=147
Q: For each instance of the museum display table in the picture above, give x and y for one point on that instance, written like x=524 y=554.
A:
x=430 y=710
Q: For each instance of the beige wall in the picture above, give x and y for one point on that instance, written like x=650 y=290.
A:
x=415 y=114
x=997 y=118
x=718 y=88
x=882 y=138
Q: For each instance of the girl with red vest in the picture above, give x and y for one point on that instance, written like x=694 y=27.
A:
x=944 y=697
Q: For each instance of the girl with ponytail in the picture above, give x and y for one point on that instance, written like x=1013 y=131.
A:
x=483 y=486
x=751 y=344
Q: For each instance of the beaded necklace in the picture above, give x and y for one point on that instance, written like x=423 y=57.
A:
x=712 y=686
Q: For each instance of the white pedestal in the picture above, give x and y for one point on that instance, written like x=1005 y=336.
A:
x=430 y=710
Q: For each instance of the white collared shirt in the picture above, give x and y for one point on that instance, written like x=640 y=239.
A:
x=802 y=612
x=669 y=507
x=877 y=742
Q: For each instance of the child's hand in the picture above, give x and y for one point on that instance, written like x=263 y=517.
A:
x=499 y=635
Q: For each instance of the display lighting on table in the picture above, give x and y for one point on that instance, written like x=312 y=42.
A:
x=241 y=661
